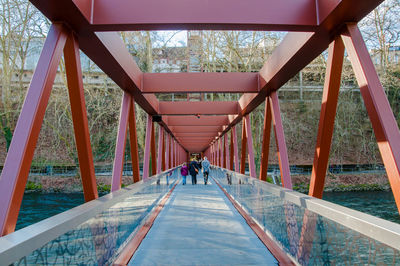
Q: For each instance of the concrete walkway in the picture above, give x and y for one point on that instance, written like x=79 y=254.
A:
x=199 y=226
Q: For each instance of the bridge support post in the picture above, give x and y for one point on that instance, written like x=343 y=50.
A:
x=227 y=152
x=250 y=148
x=133 y=141
x=212 y=153
x=235 y=149
x=327 y=117
x=266 y=140
x=153 y=150
x=160 y=151
x=118 y=165
x=167 y=165
x=280 y=141
x=163 y=153
x=146 y=159
x=217 y=152
x=171 y=139
x=20 y=154
x=79 y=117
x=231 y=154
x=175 y=153
x=224 y=157
x=377 y=105
x=243 y=152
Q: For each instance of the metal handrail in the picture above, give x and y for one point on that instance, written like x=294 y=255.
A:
x=376 y=228
x=26 y=240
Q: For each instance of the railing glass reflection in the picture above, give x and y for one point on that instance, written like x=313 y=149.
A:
x=99 y=240
x=310 y=238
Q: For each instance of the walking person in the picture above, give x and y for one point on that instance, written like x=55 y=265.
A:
x=206 y=169
x=193 y=170
x=184 y=173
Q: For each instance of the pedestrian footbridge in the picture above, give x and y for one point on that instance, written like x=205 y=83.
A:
x=237 y=219
x=234 y=220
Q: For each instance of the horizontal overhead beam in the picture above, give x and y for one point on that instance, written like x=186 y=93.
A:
x=200 y=108
x=195 y=134
x=206 y=139
x=233 y=82
x=283 y=15
x=200 y=129
x=197 y=121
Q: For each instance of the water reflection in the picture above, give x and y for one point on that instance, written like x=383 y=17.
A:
x=308 y=237
x=99 y=240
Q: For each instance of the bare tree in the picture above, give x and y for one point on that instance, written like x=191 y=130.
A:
x=20 y=23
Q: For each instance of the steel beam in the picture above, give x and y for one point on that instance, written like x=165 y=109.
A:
x=105 y=49
x=118 y=165
x=79 y=117
x=133 y=142
x=163 y=153
x=204 y=120
x=197 y=129
x=159 y=153
x=218 y=159
x=327 y=117
x=170 y=152
x=167 y=140
x=381 y=115
x=147 y=144
x=227 y=152
x=265 y=141
x=19 y=157
x=235 y=149
x=198 y=108
x=153 y=151
x=231 y=153
x=298 y=49
x=284 y=15
x=232 y=82
x=250 y=147
x=280 y=141
x=244 y=147
x=195 y=135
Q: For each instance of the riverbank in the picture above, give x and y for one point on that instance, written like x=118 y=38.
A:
x=63 y=184
x=333 y=183
x=345 y=182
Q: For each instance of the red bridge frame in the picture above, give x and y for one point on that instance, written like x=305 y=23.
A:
x=91 y=25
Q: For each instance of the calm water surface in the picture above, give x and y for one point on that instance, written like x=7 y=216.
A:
x=376 y=203
x=38 y=206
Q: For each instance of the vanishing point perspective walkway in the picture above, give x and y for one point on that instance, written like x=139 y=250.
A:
x=200 y=226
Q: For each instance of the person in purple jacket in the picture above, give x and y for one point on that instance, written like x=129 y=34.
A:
x=184 y=173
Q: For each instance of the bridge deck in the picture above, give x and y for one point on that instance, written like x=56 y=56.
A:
x=199 y=226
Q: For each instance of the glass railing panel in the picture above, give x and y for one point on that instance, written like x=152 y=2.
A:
x=310 y=238
x=99 y=240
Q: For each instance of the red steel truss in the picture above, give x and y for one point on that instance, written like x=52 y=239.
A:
x=197 y=127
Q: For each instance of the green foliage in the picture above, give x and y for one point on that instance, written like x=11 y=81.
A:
x=301 y=187
x=103 y=188
x=8 y=136
x=32 y=186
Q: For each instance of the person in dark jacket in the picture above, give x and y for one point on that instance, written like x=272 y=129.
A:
x=193 y=170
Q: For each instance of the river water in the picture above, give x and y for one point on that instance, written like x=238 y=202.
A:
x=38 y=206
